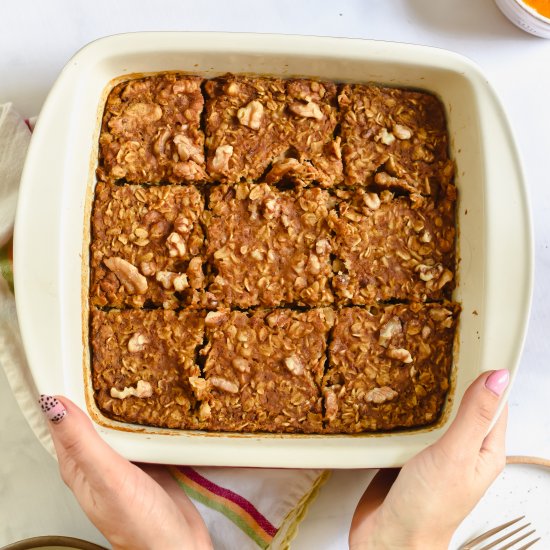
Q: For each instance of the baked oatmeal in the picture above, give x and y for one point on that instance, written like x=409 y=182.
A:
x=389 y=247
x=151 y=131
x=283 y=129
x=272 y=255
x=388 y=367
x=144 y=365
x=146 y=246
x=313 y=154
x=394 y=138
x=264 y=369
x=268 y=247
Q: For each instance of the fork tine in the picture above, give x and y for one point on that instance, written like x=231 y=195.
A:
x=471 y=543
x=514 y=542
x=506 y=536
x=529 y=544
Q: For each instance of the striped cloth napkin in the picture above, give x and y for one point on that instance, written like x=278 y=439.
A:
x=244 y=508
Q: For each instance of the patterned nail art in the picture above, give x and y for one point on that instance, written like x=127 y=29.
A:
x=52 y=408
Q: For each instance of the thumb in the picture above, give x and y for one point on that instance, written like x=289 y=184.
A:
x=76 y=441
x=476 y=412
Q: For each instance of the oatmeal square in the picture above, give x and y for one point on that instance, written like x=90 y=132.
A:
x=151 y=131
x=271 y=129
x=313 y=154
x=263 y=370
x=146 y=246
x=392 y=248
x=394 y=138
x=268 y=247
x=143 y=365
x=389 y=367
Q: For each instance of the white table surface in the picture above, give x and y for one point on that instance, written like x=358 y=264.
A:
x=36 y=40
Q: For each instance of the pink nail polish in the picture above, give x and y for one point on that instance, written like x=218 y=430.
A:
x=498 y=381
x=52 y=408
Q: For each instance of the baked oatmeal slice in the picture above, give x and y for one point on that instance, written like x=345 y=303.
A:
x=268 y=247
x=313 y=153
x=146 y=246
x=151 y=131
x=395 y=139
x=264 y=369
x=392 y=248
x=143 y=365
x=244 y=126
x=259 y=124
x=389 y=367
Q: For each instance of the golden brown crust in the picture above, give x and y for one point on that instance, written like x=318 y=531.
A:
x=390 y=367
x=151 y=235
x=268 y=247
x=394 y=138
x=151 y=351
x=264 y=370
x=151 y=131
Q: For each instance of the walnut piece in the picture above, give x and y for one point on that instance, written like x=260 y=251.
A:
x=199 y=386
x=387 y=138
x=134 y=282
x=187 y=149
x=402 y=132
x=281 y=168
x=215 y=318
x=204 y=411
x=389 y=330
x=294 y=365
x=400 y=354
x=440 y=314
x=372 y=200
x=251 y=115
x=309 y=110
x=148 y=268
x=195 y=273
x=137 y=342
x=331 y=404
x=168 y=280
x=224 y=385
x=143 y=389
x=183 y=225
x=380 y=395
x=146 y=112
x=220 y=162
x=241 y=364
x=176 y=245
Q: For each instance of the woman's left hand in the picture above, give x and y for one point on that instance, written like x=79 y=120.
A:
x=137 y=508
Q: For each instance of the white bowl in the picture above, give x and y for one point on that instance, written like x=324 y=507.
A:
x=52 y=229
x=525 y=17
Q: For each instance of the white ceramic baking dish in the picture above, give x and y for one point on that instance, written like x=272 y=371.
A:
x=52 y=228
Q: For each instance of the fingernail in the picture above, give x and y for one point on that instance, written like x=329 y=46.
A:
x=497 y=381
x=52 y=408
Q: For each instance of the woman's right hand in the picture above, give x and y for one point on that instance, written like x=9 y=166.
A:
x=438 y=488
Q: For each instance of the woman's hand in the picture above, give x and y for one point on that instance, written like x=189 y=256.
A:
x=437 y=489
x=133 y=509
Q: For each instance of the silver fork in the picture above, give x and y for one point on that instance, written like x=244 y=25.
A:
x=505 y=538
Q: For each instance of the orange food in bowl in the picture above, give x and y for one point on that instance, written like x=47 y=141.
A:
x=541 y=6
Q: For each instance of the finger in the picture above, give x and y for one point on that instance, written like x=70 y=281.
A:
x=76 y=440
x=374 y=495
x=495 y=442
x=162 y=475
x=475 y=414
